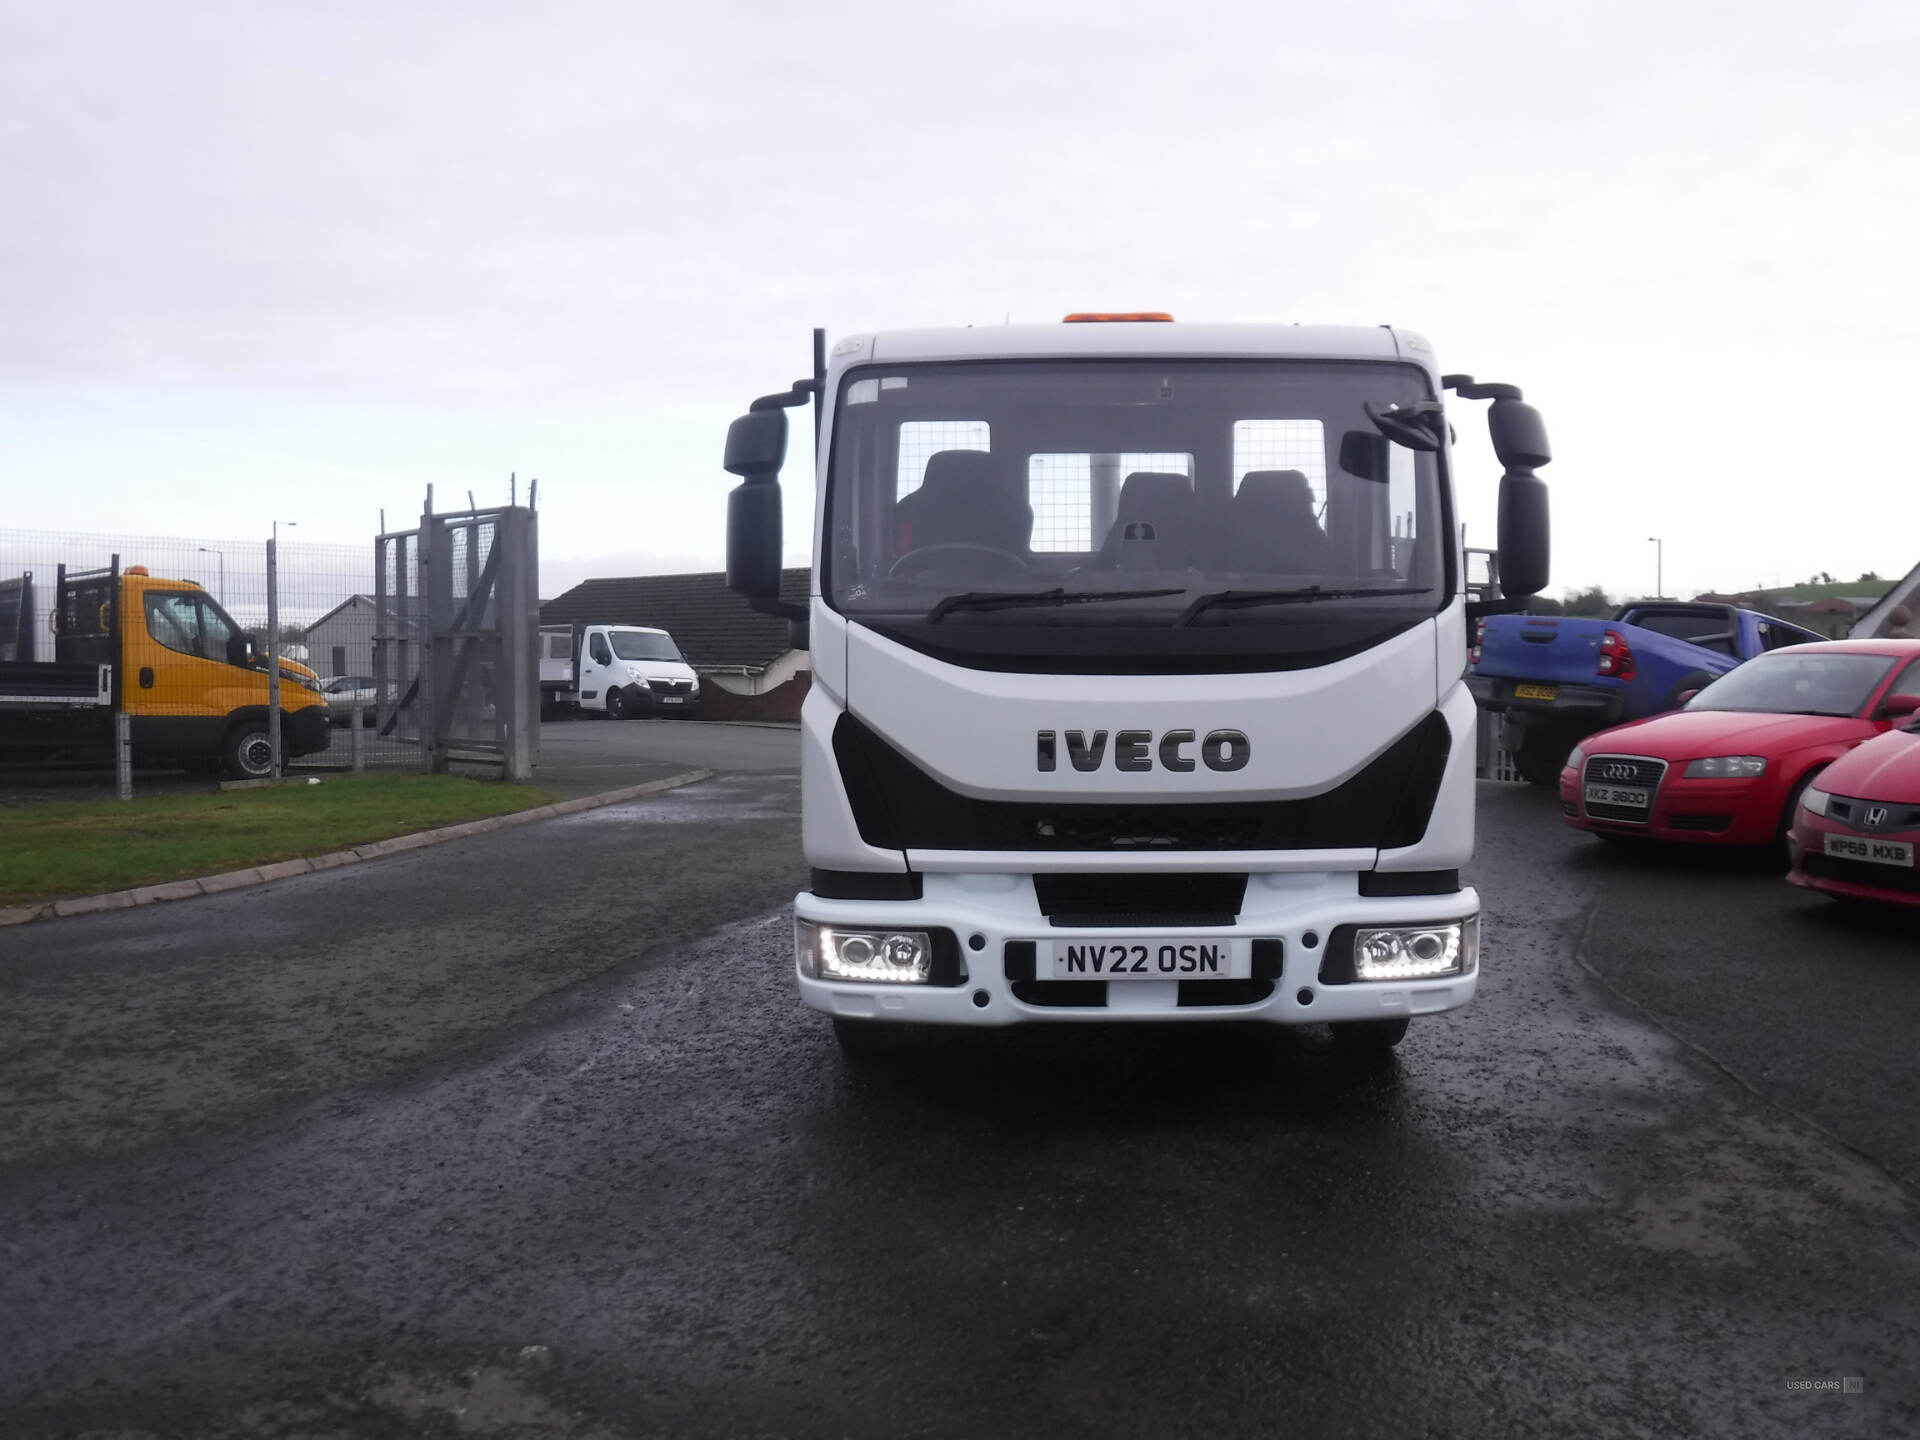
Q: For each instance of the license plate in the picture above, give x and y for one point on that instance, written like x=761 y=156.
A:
x=1619 y=795
x=1875 y=852
x=1535 y=692
x=1161 y=958
x=671 y=699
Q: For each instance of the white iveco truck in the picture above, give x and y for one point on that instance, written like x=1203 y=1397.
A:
x=1138 y=653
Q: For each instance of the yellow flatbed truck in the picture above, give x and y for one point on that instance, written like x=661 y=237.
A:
x=192 y=684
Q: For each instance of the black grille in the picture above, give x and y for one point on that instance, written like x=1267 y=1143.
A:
x=898 y=806
x=1862 y=872
x=1607 y=770
x=1622 y=770
x=1130 y=898
x=1711 y=824
x=1852 y=813
x=671 y=687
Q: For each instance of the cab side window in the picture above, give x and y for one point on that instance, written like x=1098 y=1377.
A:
x=184 y=623
x=214 y=632
x=601 y=654
x=174 y=621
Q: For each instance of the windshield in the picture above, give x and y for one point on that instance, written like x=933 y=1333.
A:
x=1118 y=495
x=1789 y=683
x=643 y=645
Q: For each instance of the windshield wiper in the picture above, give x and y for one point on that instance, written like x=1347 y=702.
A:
x=1015 y=599
x=1235 y=599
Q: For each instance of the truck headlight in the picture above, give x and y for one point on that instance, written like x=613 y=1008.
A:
x=1416 y=952
x=1727 y=767
x=835 y=952
x=1815 y=800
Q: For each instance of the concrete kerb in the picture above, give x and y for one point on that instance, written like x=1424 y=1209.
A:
x=283 y=869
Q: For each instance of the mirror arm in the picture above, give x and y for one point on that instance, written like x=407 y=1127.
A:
x=800 y=394
x=1467 y=388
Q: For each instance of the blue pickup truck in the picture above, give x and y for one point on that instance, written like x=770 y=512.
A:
x=1557 y=679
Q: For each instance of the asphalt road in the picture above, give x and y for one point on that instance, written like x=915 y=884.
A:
x=526 y=1135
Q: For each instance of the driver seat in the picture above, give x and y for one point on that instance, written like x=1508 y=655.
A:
x=1274 y=527
x=965 y=499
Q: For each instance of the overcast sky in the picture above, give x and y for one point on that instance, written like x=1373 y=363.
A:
x=289 y=261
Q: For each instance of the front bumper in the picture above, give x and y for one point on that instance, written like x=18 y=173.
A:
x=1000 y=911
x=309 y=730
x=650 y=700
x=1813 y=869
x=1687 y=812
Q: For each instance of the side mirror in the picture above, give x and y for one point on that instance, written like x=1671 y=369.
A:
x=239 y=649
x=1526 y=549
x=1896 y=706
x=753 y=539
x=1519 y=436
x=757 y=445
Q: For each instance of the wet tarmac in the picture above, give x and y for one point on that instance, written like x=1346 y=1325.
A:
x=563 y=1157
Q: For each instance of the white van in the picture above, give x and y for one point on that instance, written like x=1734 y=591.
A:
x=619 y=670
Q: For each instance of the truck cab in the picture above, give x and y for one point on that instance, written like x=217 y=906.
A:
x=1138 y=656
x=165 y=652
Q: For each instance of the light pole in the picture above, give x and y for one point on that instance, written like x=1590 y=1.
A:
x=273 y=645
x=210 y=550
x=1659 y=566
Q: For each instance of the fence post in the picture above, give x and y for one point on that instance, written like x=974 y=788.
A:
x=356 y=727
x=516 y=614
x=123 y=753
x=273 y=653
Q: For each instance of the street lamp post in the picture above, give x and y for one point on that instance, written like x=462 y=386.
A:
x=210 y=550
x=1659 y=566
x=273 y=644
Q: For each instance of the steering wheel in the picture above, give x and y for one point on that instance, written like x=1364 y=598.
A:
x=991 y=560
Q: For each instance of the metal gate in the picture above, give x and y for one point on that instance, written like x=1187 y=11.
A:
x=456 y=625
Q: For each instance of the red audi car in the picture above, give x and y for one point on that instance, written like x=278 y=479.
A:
x=1858 y=826
x=1728 y=768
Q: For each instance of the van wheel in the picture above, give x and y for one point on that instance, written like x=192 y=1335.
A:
x=616 y=704
x=248 y=752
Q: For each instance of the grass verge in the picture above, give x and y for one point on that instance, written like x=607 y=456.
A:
x=55 y=851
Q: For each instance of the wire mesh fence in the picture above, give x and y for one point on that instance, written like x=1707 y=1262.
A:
x=325 y=613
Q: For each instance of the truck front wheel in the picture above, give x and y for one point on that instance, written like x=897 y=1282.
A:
x=248 y=752
x=1360 y=1038
x=617 y=704
x=867 y=1040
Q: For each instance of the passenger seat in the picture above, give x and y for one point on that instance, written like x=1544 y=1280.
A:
x=1165 y=501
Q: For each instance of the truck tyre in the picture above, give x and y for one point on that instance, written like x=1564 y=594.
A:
x=1697 y=680
x=1361 y=1039
x=868 y=1040
x=247 y=753
x=1542 y=755
x=616 y=704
